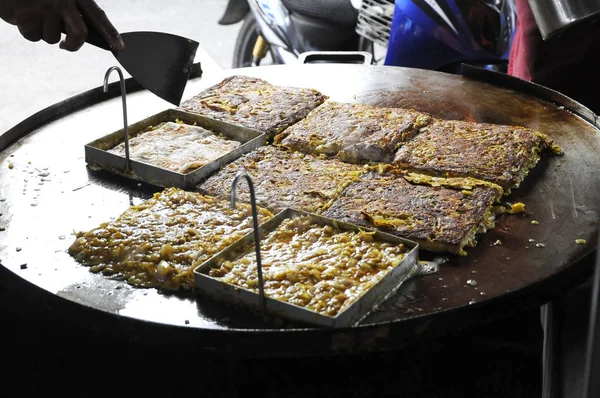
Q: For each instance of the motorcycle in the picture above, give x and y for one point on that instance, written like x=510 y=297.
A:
x=281 y=30
x=428 y=34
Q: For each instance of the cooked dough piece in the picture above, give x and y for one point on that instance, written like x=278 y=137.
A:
x=440 y=219
x=497 y=153
x=255 y=103
x=314 y=266
x=159 y=242
x=285 y=178
x=356 y=133
x=177 y=147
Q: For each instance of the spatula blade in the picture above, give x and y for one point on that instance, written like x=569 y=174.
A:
x=159 y=62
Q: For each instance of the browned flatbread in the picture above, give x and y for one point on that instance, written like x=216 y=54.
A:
x=356 y=133
x=285 y=178
x=500 y=154
x=440 y=219
x=255 y=103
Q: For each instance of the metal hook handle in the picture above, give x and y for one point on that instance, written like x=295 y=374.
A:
x=245 y=175
x=123 y=96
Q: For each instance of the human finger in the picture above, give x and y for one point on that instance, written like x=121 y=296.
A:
x=75 y=28
x=29 y=23
x=98 y=20
x=51 y=29
x=32 y=31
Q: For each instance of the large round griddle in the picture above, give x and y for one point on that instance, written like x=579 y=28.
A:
x=49 y=193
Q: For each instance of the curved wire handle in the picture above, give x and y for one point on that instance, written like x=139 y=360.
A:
x=123 y=96
x=245 y=175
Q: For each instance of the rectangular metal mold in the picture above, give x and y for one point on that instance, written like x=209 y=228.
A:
x=350 y=316
x=96 y=154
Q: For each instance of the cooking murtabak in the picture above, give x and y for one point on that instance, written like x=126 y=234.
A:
x=314 y=266
x=285 y=178
x=255 y=103
x=497 y=153
x=177 y=147
x=356 y=133
x=439 y=218
x=159 y=242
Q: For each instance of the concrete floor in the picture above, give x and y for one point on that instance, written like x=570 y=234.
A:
x=36 y=75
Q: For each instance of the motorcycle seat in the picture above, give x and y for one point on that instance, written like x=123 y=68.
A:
x=336 y=12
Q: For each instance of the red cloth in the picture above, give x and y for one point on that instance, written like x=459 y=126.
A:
x=527 y=36
x=565 y=62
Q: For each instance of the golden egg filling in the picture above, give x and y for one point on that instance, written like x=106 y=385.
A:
x=159 y=242
x=317 y=267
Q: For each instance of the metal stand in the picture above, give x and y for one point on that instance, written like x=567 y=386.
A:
x=123 y=96
x=592 y=368
x=261 y=287
x=571 y=360
x=551 y=376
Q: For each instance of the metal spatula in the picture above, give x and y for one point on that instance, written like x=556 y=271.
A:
x=159 y=62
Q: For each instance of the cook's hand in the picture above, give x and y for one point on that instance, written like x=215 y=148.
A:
x=45 y=20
